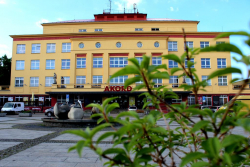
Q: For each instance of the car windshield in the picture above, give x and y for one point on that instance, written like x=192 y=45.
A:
x=132 y=107
x=8 y=105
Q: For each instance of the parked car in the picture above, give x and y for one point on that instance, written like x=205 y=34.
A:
x=49 y=112
x=132 y=108
x=13 y=107
x=203 y=107
x=215 y=108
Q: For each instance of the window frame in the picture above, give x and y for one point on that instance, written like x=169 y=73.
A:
x=205 y=60
x=80 y=79
x=97 y=60
x=20 y=84
x=97 y=78
x=186 y=64
x=20 y=62
x=21 y=49
x=113 y=60
x=158 y=82
x=66 y=47
x=175 y=64
x=34 y=81
x=138 y=29
x=156 y=61
x=139 y=59
x=222 y=83
x=51 y=48
x=66 y=65
x=98 y=30
x=35 y=65
x=35 y=45
x=189 y=43
x=171 y=46
x=205 y=77
x=204 y=44
x=49 y=81
x=221 y=63
x=50 y=67
x=81 y=61
x=118 y=80
x=82 y=30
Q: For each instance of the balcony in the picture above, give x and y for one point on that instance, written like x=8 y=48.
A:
x=237 y=87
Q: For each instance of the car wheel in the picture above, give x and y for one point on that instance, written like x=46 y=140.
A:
x=49 y=114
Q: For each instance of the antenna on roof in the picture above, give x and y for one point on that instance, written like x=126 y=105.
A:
x=124 y=8
x=134 y=7
x=110 y=5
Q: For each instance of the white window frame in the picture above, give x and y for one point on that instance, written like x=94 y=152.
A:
x=205 y=77
x=50 y=64
x=35 y=64
x=97 y=79
x=139 y=59
x=223 y=99
x=138 y=29
x=208 y=100
x=36 y=48
x=192 y=60
x=188 y=81
x=156 y=61
x=118 y=80
x=20 y=48
x=191 y=100
x=204 y=44
x=66 y=79
x=174 y=80
x=190 y=44
x=81 y=63
x=80 y=80
x=34 y=81
x=220 y=42
x=20 y=81
x=173 y=64
x=65 y=64
x=49 y=81
x=97 y=62
x=51 y=48
x=98 y=30
x=20 y=64
x=206 y=62
x=158 y=82
x=220 y=62
x=222 y=80
x=172 y=46
x=66 y=47
x=82 y=30
x=121 y=62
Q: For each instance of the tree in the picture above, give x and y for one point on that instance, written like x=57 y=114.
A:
x=5 y=70
x=144 y=143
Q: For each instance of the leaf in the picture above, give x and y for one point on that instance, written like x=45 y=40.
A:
x=223 y=47
x=98 y=128
x=172 y=57
x=111 y=107
x=200 y=164
x=199 y=125
x=114 y=151
x=100 y=120
x=104 y=136
x=135 y=62
x=139 y=87
x=106 y=101
x=245 y=123
x=212 y=146
x=227 y=34
x=232 y=139
x=224 y=71
x=175 y=69
x=145 y=62
x=160 y=75
x=79 y=146
x=191 y=157
x=227 y=159
x=129 y=69
x=129 y=113
x=95 y=105
x=80 y=133
x=153 y=68
x=130 y=81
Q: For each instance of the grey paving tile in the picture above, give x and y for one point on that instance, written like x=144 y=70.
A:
x=58 y=164
x=23 y=164
x=20 y=158
x=21 y=134
x=50 y=159
x=89 y=165
x=75 y=159
x=6 y=126
x=5 y=145
x=2 y=163
x=59 y=150
x=47 y=154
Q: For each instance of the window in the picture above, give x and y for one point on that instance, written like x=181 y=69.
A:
x=51 y=47
x=139 y=44
x=65 y=80
x=158 y=82
x=204 y=44
x=222 y=80
x=97 y=62
x=219 y=42
x=205 y=77
x=81 y=45
x=139 y=59
x=205 y=62
x=191 y=100
x=172 y=64
x=20 y=49
x=19 y=82
x=172 y=46
x=208 y=101
x=188 y=81
x=118 y=61
x=118 y=80
x=157 y=44
x=65 y=63
x=98 y=45
x=139 y=82
x=174 y=81
x=81 y=63
x=20 y=65
x=82 y=30
x=156 y=61
x=34 y=81
x=177 y=100
x=50 y=64
x=118 y=44
x=223 y=99
x=66 y=47
x=36 y=48
x=49 y=81
x=186 y=63
x=221 y=63
x=155 y=29
x=80 y=80
x=189 y=44
x=97 y=79
x=35 y=65
x=138 y=29
x=98 y=29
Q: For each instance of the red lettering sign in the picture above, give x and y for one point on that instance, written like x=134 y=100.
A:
x=117 y=89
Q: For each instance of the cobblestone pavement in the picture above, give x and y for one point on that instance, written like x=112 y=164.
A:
x=25 y=142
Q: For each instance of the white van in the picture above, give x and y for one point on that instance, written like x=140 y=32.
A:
x=14 y=107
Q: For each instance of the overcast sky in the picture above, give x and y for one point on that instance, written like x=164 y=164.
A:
x=25 y=16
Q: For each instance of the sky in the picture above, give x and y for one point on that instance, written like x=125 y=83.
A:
x=18 y=17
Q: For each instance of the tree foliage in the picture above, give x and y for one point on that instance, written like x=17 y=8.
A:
x=144 y=143
x=5 y=70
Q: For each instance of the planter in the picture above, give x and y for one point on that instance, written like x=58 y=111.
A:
x=3 y=114
x=25 y=114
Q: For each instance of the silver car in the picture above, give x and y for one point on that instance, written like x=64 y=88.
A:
x=132 y=108
x=49 y=112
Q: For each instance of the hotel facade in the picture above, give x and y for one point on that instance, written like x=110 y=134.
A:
x=83 y=54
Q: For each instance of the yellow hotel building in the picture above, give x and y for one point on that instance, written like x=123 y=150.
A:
x=83 y=54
